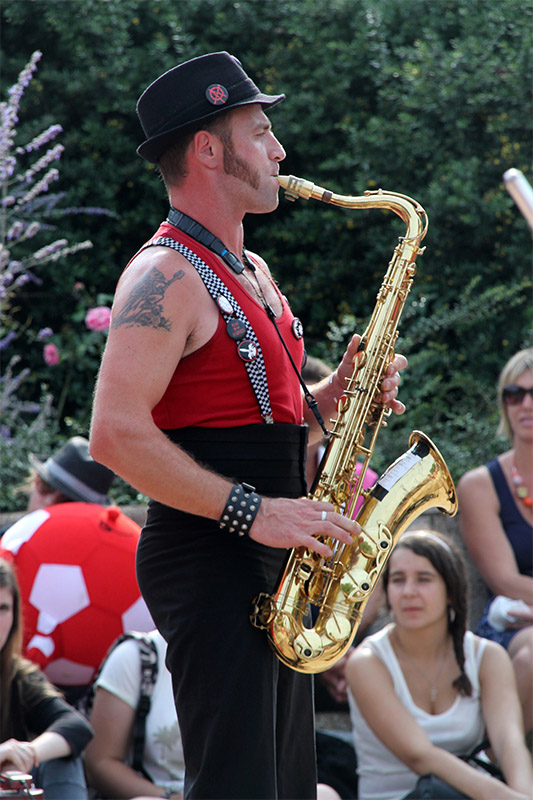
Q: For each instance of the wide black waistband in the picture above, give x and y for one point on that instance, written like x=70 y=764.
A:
x=270 y=457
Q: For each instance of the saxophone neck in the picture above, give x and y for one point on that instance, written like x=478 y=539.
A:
x=409 y=210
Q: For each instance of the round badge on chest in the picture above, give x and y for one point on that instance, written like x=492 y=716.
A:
x=224 y=305
x=247 y=350
x=236 y=329
x=297 y=328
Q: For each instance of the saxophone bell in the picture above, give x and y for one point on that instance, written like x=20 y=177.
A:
x=339 y=588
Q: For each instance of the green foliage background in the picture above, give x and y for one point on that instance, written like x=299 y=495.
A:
x=431 y=98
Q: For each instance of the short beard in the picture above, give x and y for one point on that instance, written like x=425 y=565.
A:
x=235 y=166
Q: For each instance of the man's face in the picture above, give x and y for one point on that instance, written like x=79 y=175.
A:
x=252 y=155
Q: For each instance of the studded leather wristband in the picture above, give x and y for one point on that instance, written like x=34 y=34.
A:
x=241 y=509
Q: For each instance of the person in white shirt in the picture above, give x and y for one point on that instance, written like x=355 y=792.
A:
x=108 y=761
x=424 y=690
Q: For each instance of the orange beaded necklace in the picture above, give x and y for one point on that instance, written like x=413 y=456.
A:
x=520 y=487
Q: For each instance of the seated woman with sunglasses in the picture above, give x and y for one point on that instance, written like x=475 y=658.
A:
x=496 y=517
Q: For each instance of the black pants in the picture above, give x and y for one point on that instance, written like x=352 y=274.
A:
x=246 y=720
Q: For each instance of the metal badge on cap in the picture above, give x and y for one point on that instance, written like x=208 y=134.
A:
x=217 y=94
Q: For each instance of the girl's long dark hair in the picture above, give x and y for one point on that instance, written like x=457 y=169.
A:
x=12 y=664
x=448 y=561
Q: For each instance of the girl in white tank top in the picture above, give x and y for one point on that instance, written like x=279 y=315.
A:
x=424 y=690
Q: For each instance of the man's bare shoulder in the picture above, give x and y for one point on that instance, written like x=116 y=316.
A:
x=155 y=283
x=161 y=258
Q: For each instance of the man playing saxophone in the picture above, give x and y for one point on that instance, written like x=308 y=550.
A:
x=198 y=405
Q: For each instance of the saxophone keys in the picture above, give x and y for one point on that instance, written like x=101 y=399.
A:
x=308 y=645
x=337 y=628
x=356 y=584
x=367 y=545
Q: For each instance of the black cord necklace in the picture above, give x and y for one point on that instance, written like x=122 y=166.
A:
x=309 y=399
x=259 y=290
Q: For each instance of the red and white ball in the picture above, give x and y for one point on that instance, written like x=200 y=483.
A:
x=75 y=563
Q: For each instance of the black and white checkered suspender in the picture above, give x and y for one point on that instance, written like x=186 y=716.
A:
x=216 y=288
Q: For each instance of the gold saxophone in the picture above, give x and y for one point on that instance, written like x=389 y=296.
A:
x=339 y=587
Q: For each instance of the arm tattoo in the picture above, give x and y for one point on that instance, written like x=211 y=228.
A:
x=144 y=305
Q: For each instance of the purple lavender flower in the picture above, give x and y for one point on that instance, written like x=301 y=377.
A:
x=9 y=115
x=39 y=187
x=43 y=138
x=6 y=341
x=15 y=231
x=54 y=154
x=5 y=433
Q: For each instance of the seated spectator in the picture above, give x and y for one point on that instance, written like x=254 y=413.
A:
x=40 y=733
x=74 y=557
x=496 y=518
x=424 y=690
x=109 y=757
x=120 y=687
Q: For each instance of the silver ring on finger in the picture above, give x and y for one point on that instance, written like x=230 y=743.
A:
x=324 y=516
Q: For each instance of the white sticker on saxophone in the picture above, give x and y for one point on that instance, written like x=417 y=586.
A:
x=397 y=470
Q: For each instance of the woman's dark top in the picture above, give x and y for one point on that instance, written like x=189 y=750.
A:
x=516 y=528
x=518 y=531
x=35 y=708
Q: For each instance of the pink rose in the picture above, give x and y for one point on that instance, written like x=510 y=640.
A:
x=97 y=319
x=51 y=355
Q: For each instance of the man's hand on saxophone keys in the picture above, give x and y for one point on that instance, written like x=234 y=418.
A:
x=291 y=523
x=389 y=385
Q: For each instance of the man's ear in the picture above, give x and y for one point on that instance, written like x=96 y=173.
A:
x=55 y=497
x=207 y=149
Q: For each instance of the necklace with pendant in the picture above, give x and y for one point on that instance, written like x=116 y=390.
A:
x=257 y=289
x=432 y=683
x=520 y=487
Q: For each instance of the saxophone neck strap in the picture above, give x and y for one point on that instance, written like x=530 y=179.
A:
x=196 y=231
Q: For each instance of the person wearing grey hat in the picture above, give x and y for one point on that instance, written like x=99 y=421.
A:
x=199 y=406
x=69 y=475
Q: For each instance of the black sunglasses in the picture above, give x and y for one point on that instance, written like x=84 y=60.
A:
x=514 y=395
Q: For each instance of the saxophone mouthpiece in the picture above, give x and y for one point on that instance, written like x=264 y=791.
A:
x=298 y=187
x=288 y=184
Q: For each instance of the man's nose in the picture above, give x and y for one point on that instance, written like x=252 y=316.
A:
x=278 y=151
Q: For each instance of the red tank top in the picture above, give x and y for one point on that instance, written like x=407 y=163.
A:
x=210 y=387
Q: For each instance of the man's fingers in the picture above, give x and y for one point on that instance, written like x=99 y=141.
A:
x=338 y=527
